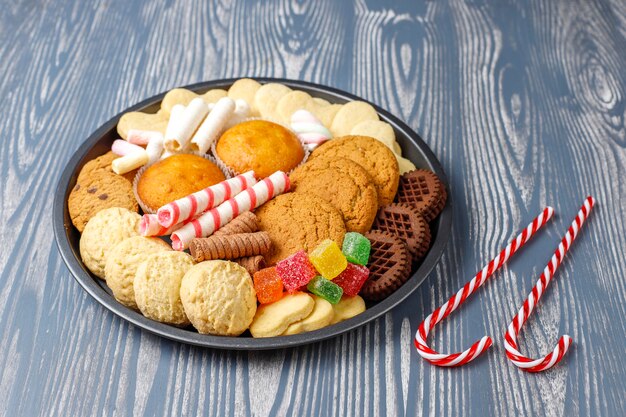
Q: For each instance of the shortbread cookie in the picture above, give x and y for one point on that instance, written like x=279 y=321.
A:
x=321 y=316
x=350 y=115
x=378 y=130
x=183 y=96
x=219 y=298
x=347 y=307
x=298 y=221
x=273 y=319
x=123 y=261
x=267 y=97
x=379 y=162
x=297 y=100
x=342 y=183
x=142 y=121
x=97 y=191
x=245 y=89
x=102 y=232
x=157 y=287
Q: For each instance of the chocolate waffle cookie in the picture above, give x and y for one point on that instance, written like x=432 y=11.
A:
x=405 y=222
x=423 y=190
x=389 y=265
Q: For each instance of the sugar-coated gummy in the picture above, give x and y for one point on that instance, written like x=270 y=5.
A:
x=326 y=289
x=295 y=271
x=328 y=259
x=352 y=279
x=356 y=248
x=268 y=285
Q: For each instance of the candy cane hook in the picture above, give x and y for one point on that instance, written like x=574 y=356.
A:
x=510 y=343
x=458 y=359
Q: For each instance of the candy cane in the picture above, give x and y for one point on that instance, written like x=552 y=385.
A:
x=458 y=359
x=247 y=200
x=188 y=207
x=510 y=343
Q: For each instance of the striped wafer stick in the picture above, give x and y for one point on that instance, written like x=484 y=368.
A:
x=457 y=359
x=247 y=200
x=188 y=207
x=510 y=337
x=149 y=226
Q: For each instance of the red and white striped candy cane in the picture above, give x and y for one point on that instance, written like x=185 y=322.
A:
x=510 y=343
x=458 y=359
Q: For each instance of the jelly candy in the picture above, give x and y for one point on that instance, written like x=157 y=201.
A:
x=328 y=259
x=356 y=248
x=325 y=289
x=352 y=279
x=295 y=271
x=268 y=285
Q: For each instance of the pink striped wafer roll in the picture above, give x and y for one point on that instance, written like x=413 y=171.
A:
x=188 y=207
x=122 y=148
x=149 y=226
x=142 y=137
x=247 y=200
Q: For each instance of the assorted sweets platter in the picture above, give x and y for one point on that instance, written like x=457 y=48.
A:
x=252 y=214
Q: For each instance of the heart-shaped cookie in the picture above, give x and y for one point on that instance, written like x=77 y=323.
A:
x=142 y=121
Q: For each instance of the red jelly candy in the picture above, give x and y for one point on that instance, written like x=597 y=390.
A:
x=268 y=285
x=295 y=271
x=352 y=279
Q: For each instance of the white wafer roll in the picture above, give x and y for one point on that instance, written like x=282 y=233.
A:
x=142 y=137
x=242 y=112
x=184 y=127
x=247 y=200
x=213 y=125
x=129 y=162
x=155 y=148
x=190 y=206
x=175 y=115
x=122 y=148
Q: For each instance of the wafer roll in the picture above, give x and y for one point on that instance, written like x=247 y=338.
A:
x=244 y=223
x=230 y=246
x=253 y=264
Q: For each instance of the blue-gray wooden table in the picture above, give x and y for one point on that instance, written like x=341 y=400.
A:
x=523 y=102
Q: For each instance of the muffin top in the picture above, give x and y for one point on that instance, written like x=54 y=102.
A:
x=175 y=177
x=259 y=145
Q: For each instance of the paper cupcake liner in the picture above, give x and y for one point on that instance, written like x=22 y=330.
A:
x=232 y=171
x=149 y=210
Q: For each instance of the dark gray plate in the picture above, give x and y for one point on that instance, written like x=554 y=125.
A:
x=67 y=237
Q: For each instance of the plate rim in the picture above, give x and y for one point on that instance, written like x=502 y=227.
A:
x=95 y=290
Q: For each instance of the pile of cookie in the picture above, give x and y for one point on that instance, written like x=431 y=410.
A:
x=293 y=210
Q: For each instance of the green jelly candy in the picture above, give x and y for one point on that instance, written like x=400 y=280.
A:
x=326 y=289
x=356 y=248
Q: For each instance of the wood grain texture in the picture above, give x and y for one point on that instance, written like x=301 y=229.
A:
x=524 y=104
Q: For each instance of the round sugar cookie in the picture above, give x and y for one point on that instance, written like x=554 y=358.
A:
x=102 y=232
x=157 y=287
x=176 y=96
x=266 y=99
x=123 y=261
x=218 y=297
x=245 y=89
x=350 y=115
x=379 y=162
x=342 y=183
x=298 y=221
x=97 y=191
x=379 y=130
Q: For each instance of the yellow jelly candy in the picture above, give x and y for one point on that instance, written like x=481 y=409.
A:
x=328 y=259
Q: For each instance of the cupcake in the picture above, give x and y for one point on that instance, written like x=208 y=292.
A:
x=259 y=145
x=175 y=177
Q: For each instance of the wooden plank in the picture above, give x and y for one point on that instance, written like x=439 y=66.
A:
x=523 y=103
